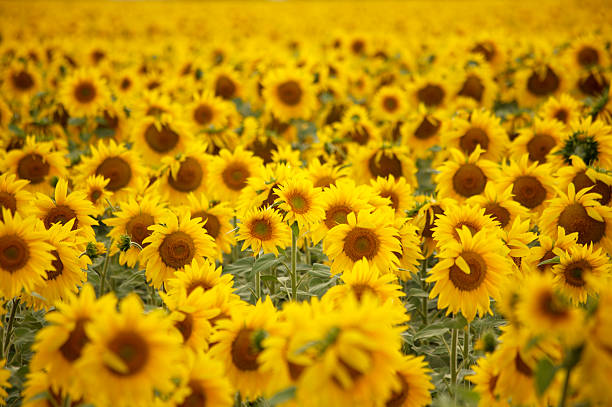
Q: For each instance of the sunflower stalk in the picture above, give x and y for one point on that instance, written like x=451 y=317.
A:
x=6 y=343
x=424 y=300
x=466 y=345
x=453 y=358
x=307 y=251
x=293 y=271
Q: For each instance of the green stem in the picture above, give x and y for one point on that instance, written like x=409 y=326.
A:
x=105 y=269
x=235 y=246
x=466 y=346
x=6 y=344
x=258 y=284
x=453 y=358
x=293 y=270
x=424 y=287
x=565 y=387
x=307 y=251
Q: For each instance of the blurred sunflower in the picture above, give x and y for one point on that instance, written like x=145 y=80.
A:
x=413 y=389
x=538 y=140
x=422 y=131
x=133 y=353
x=84 y=93
x=564 y=109
x=498 y=204
x=13 y=195
x=96 y=192
x=289 y=94
x=215 y=219
x=155 y=138
x=583 y=177
x=183 y=174
x=191 y=315
x=5 y=374
x=229 y=173
x=375 y=160
x=486 y=374
x=36 y=162
x=20 y=81
x=389 y=103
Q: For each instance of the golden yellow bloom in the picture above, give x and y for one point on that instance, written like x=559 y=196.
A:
x=13 y=195
x=486 y=374
x=174 y=244
x=498 y=204
x=5 y=374
x=389 y=103
x=564 y=109
x=369 y=235
x=301 y=202
x=84 y=93
x=451 y=221
x=229 y=173
x=264 y=229
x=156 y=138
x=413 y=389
x=36 y=162
x=289 y=94
x=470 y=271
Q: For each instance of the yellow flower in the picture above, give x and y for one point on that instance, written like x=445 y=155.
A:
x=413 y=389
x=469 y=272
x=538 y=140
x=455 y=217
x=301 y=202
x=229 y=173
x=498 y=204
x=410 y=242
x=84 y=93
x=369 y=235
x=564 y=109
x=584 y=177
x=398 y=191
x=13 y=195
x=264 y=229
x=132 y=353
x=173 y=244
x=289 y=94
x=59 y=345
x=5 y=374
x=155 y=138
x=486 y=374
x=239 y=345
x=25 y=256
x=96 y=192
x=36 y=162
x=67 y=206
x=389 y=103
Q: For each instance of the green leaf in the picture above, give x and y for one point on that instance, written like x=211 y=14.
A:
x=431 y=330
x=76 y=121
x=104 y=132
x=545 y=372
x=417 y=292
x=282 y=396
x=554 y=260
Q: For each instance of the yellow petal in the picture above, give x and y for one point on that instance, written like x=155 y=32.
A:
x=462 y=264
x=594 y=214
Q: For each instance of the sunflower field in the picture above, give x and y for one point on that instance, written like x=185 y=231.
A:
x=305 y=203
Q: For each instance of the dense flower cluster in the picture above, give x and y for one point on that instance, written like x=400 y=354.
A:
x=305 y=204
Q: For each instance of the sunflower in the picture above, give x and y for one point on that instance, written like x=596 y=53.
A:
x=584 y=177
x=564 y=109
x=225 y=82
x=486 y=374
x=39 y=383
x=516 y=365
x=192 y=315
x=532 y=183
x=239 y=345
x=208 y=113
x=183 y=174
x=590 y=140
x=413 y=389
x=68 y=268
x=366 y=234
x=67 y=206
x=301 y=202
x=6 y=115
x=116 y=163
x=410 y=242
x=59 y=345
x=5 y=374
x=216 y=220
x=432 y=89
x=491 y=47
x=422 y=131
x=204 y=385
x=324 y=175
x=172 y=245
x=84 y=93
x=264 y=229
x=229 y=173
x=155 y=138
x=499 y=205
x=389 y=103
x=518 y=238
x=36 y=162
x=482 y=129
x=549 y=247
x=398 y=191
x=593 y=83
x=261 y=189
x=581 y=271
x=287 y=155
x=204 y=275
x=538 y=140
x=540 y=81
x=20 y=81
x=25 y=256
x=375 y=160
x=133 y=220
x=579 y=212
x=464 y=176
x=338 y=201
x=154 y=104
x=131 y=352
x=542 y=309
x=13 y=195
x=96 y=192
x=365 y=279
x=289 y=94
x=478 y=86
x=470 y=271
x=454 y=217
x=358 y=355
x=356 y=128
